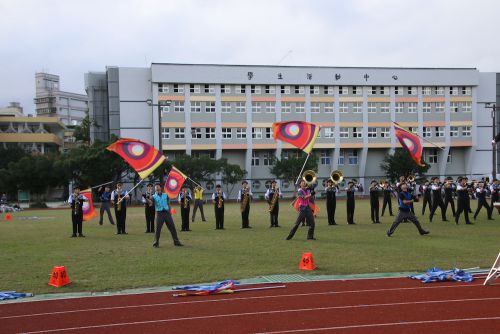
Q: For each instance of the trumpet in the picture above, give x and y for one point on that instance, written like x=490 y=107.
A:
x=337 y=176
x=411 y=178
x=309 y=177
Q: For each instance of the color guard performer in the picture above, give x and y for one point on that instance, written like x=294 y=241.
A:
x=272 y=196
x=387 y=189
x=120 y=207
x=245 y=196
x=218 y=198
x=149 y=208
x=426 y=194
x=76 y=201
x=405 y=199
x=163 y=216
x=184 y=201
x=105 y=195
x=331 y=201
x=463 y=200
x=374 y=202
x=198 y=203
x=448 y=195
x=303 y=198
x=481 y=201
x=437 y=200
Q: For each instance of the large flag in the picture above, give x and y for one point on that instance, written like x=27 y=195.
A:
x=174 y=182
x=411 y=142
x=140 y=156
x=88 y=206
x=300 y=134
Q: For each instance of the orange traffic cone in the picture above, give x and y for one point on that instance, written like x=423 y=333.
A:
x=8 y=217
x=173 y=211
x=59 y=277
x=307 y=262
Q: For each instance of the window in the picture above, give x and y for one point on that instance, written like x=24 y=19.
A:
x=196 y=133
x=255 y=158
x=194 y=89
x=466 y=91
x=270 y=89
x=427 y=107
x=241 y=133
x=163 y=88
x=325 y=157
x=427 y=91
x=165 y=133
x=164 y=108
x=357 y=90
x=454 y=106
x=209 y=89
x=178 y=88
x=398 y=90
x=412 y=107
x=257 y=133
x=285 y=90
x=328 y=90
x=384 y=132
x=300 y=107
x=372 y=90
x=255 y=107
x=343 y=108
x=225 y=89
x=195 y=107
x=466 y=106
x=439 y=131
x=439 y=90
x=426 y=132
x=240 y=107
x=384 y=107
x=179 y=133
x=432 y=156
x=399 y=107
x=286 y=107
x=240 y=89
x=226 y=133
x=439 y=107
x=384 y=90
x=178 y=106
x=299 y=90
x=315 y=107
x=449 y=158
x=466 y=131
x=353 y=157
x=454 y=131
x=329 y=107
x=226 y=107
x=267 y=158
x=341 y=157
x=210 y=133
x=343 y=90
x=372 y=132
x=268 y=133
x=329 y=132
x=314 y=90
x=255 y=89
x=209 y=107
x=453 y=90
x=357 y=132
x=372 y=107
x=412 y=90
x=357 y=107
x=270 y=107
x=344 y=133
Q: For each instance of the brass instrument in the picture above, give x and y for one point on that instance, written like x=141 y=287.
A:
x=274 y=200
x=244 y=199
x=219 y=200
x=337 y=176
x=76 y=208
x=148 y=199
x=309 y=177
x=411 y=178
x=185 y=201
x=119 y=202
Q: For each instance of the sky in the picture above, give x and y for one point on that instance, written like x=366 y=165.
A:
x=72 y=37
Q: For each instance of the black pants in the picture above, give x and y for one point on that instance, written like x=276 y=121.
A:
x=165 y=217
x=462 y=207
x=245 y=223
x=274 y=215
x=121 y=216
x=331 y=206
x=77 y=221
x=427 y=201
x=185 y=218
x=304 y=212
x=219 y=218
x=105 y=206
x=198 y=203
x=494 y=198
x=374 y=209
x=350 y=211
x=480 y=204
x=451 y=202
x=405 y=215
x=149 y=211
x=387 y=202
x=435 y=205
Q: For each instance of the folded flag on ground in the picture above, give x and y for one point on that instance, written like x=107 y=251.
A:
x=200 y=290
x=438 y=275
x=4 y=295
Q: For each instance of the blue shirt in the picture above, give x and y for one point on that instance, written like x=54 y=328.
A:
x=404 y=196
x=106 y=196
x=161 y=202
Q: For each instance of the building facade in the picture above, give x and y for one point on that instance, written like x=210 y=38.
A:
x=227 y=111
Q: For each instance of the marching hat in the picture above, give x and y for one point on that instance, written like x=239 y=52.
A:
x=244 y=182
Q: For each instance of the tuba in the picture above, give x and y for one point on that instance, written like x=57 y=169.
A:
x=337 y=176
x=274 y=200
x=309 y=177
x=244 y=199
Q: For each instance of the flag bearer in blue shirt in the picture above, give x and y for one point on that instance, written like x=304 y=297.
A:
x=163 y=216
x=405 y=201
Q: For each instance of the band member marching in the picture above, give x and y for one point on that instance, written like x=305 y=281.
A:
x=76 y=201
x=184 y=201
x=149 y=208
x=481 y=201
x=105 y=195
x=494 y=189
x=437 y=200
x=374 y=202
x=303 y=198
x=463 y=200
x=244 y=197
x=426 y=194
x=387 y=190
x=331 y=201
x=218 y=198
x=198 y=203
x=350 y=203
x=163 y=216
x=272 y=197
x=119 y=199
x=448 y=195
x=405 y=199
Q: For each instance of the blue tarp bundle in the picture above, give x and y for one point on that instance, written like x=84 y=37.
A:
x=4 y=295
x=209 y=289
x=438 y=275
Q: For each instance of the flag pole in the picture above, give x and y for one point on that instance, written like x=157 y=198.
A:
x=416 y=134
x=303 y=166
x=128 y=192
x=195 y=182
x=102 y=184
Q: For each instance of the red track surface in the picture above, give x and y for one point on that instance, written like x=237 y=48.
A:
x=392 y=305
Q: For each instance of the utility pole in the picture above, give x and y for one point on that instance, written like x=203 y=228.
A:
x=494 y=133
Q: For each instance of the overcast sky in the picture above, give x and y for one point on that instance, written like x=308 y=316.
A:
x=70 y=38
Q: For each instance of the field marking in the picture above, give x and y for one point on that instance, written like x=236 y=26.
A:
x=264 y=313
x=237 y=299
x=382 y=325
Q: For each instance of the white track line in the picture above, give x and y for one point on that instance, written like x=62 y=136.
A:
x=238 y=299
x=381 y=325
x=264 y=313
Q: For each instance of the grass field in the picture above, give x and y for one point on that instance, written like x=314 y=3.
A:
x=29 y=248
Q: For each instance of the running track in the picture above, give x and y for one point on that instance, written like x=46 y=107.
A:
x=391 y=305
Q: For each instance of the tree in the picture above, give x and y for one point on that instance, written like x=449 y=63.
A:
x=231 y=174
x=82 y=131
x=10 y=154
x=400 y=163
x=289 y=169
